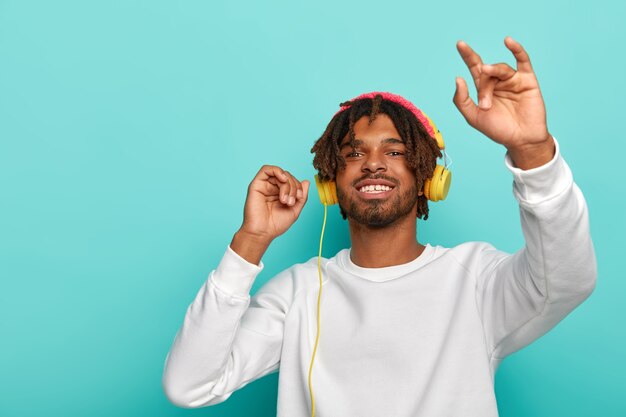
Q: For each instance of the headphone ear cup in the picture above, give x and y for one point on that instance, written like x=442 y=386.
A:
x=327 y=191
x=436 y=188
x=444 y=183
x=320 y=189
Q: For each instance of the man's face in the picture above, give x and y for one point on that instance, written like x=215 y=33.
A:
x=376 y=187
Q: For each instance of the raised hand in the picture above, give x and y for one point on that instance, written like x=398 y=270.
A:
x=510 y=109
x=274 y=202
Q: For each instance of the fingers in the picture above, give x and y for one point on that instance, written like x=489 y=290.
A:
x=463 y=102
x=289 y=191
x=271 y=171
x=277 y=183
x=471 y=59
x=485 y=92
x=522 y=58
x=490 y=75
x=487 y=78
x=305 y=194
x=500 y=71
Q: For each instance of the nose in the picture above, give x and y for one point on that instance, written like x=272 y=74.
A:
x=374 y=163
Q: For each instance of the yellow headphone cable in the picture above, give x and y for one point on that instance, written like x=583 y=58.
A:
x=319 y=298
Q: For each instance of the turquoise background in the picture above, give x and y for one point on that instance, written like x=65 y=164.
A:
x=129 y=131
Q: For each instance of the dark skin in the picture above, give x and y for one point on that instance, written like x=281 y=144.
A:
x=511 y=112
x=376 y=154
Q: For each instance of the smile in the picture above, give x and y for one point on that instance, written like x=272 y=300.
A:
x=374 y=189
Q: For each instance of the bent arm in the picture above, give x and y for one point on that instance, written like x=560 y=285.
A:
x=226 y=340
x=524 y=295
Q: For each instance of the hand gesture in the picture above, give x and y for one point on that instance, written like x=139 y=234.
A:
x=510 y=107
x=275 y=200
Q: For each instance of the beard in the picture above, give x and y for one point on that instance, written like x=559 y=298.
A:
x=378 y=213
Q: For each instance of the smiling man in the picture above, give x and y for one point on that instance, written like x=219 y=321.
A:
x=378 y=190
x=408 y=329
x=377 y=187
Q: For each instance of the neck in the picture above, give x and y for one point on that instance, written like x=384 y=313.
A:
x=395 y=244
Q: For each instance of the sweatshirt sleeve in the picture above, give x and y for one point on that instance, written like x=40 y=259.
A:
x=522 y=296
x=226 y=341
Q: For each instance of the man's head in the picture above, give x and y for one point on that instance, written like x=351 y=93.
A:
x=380 y=154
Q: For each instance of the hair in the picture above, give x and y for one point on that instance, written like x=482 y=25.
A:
x=421 y=149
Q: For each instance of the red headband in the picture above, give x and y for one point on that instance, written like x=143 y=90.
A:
x=401 y=101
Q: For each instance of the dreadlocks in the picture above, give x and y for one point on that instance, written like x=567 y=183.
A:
x=421 y=149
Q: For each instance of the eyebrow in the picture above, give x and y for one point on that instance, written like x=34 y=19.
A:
x=359 y=142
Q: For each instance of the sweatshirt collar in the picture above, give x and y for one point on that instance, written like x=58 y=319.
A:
x=386 y=273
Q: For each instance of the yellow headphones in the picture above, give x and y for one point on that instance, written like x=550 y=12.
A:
x=435 y=188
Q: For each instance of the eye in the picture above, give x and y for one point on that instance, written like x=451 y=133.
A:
x=353 y=154
x=396 y=153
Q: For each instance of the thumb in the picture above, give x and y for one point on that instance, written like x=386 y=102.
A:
x=463 y=102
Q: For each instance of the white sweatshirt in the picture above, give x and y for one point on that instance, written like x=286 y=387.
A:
x=419 y=339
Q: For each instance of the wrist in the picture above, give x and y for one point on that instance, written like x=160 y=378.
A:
x=250 y=246
x=533 y=155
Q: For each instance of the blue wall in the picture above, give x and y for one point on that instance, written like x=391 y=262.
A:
x=129 y=131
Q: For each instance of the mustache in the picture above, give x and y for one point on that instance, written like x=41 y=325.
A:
x=375 y=177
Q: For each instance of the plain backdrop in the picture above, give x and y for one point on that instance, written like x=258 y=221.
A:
x=129 y=131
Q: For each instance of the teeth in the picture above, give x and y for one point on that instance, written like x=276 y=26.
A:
x=374 y=188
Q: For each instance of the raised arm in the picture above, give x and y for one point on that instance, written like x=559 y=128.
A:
x=523 y=295
x=228 y=339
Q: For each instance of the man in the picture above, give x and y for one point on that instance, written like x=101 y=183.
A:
x=407 y=329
